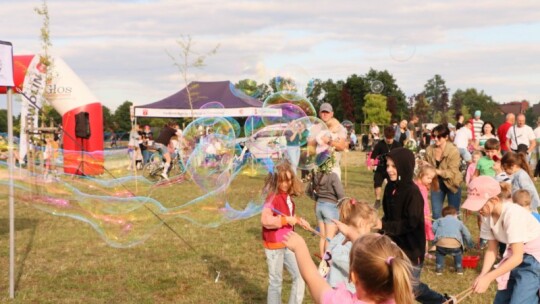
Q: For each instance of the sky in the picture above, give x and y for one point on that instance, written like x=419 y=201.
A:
x=122 y=49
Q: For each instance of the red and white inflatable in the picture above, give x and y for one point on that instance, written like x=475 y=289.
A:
x=69 y=96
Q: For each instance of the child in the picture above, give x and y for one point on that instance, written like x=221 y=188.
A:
x=523 y=198
x=380 y=271
x=518 y=274
x=329 y=191
x=359 y=218
x=471 y=169
x=515 y=164
x=486 y=164
x=450 y=237
x=424 y=181
x=280 y=186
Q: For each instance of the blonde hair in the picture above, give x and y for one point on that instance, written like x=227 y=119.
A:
x=381 y=269
x=280 y=174
x=523 y=198
x=351 y=212
x=424 y=170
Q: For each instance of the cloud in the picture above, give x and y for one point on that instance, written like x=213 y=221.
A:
x=119 y=48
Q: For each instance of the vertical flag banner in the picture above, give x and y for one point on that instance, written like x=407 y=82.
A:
x=6 y=64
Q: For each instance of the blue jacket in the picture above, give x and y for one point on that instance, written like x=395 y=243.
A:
x=451 y=227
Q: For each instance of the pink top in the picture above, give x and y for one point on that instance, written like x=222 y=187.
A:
x=470 y=173
x=427 y=212
x=341 y=295
x=532 y=248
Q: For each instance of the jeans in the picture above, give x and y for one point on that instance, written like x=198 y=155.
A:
x=276 y=258
x=523 y=284
x=437 y=199
x=442 y=252
x=465 y=154
x=422 y=292
x=146 y=156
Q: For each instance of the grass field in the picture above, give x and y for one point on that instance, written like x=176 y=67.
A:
x=62 y=260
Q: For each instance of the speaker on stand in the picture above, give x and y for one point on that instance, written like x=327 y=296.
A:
x=82 y=131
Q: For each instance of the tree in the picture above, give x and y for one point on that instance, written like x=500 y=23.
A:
x=252 y=88
x=122 y=117
x=375 y=109
x=434 y=92
x=357 y=88
x=184 y=61
x=421 y=108
x=107 y=118
x=475 y=100
x=3 y=120
x=347 y=104
x=391 y=89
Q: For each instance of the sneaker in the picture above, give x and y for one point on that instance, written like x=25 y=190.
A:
x=450 y=299
x=459 y=271
x=438 y=272
x=164 y=175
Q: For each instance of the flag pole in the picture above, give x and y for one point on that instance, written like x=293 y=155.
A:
x=11 y=164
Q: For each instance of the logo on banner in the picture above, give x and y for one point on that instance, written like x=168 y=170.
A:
x=145 y=112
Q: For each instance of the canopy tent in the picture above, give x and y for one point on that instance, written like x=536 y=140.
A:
x=235 y=103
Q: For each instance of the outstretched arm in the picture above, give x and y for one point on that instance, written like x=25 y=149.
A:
x=316 y=284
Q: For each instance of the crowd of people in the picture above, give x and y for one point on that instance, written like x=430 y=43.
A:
x=367 y=259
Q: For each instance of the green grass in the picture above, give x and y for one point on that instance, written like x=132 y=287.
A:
x=62 y=260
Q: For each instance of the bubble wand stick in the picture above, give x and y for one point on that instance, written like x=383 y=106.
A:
x=305 y=228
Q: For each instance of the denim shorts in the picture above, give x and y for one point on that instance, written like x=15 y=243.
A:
x=161 y=148
x=326 y=212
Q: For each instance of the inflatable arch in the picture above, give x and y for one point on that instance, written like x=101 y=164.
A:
x=69 y=96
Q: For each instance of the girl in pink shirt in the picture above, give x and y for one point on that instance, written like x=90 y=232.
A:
x=379 y=270
x=425 y=179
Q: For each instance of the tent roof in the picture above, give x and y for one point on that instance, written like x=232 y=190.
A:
x=234 y=101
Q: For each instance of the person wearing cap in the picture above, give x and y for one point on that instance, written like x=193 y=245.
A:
x=521 y=138
x=338 y=138
x=477 y=124
x=503 y=130
x=518 y=273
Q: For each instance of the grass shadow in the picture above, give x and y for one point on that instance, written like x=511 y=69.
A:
x=249 y=291
x=20 y=224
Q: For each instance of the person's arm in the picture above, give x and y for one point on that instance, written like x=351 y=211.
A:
x=269 y=221
x=476 y=174
x=338 y=187
x=467 y=238
x=481 y=283
x=532 y=145
x=316 y=283
x=453 y=160
x=411 y=219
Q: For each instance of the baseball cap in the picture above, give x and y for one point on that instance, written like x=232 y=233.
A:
x=326 y=107
x=479 y=191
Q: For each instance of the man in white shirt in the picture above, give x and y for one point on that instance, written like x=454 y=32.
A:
x=521 y=134
x=463 y=139
x=338 y=134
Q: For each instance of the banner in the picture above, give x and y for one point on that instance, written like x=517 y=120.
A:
x=6 y=64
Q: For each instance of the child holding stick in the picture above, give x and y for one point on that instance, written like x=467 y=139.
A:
x=278 y=218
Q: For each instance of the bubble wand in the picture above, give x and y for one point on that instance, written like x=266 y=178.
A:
x=305 y=228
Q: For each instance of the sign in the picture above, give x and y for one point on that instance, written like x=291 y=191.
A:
x=6 y=64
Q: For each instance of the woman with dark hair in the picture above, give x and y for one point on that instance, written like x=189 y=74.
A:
x=488 y=131
x=444 y=156
x=459 y=120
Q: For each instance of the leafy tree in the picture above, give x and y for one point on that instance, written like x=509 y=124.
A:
x=347 y=104
x=530 y=117
x=391 y=89
x=475 y=100
x=252 y=88
x=375 y=109
x=317 y=93
x=107 y=118
x=434 y=91
x=122 y=117
x=421 y=108
x=3 y=120
x=357 y=88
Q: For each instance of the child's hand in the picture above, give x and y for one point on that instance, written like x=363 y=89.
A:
x=291 y=220
x=305 y=224
x=293 y=241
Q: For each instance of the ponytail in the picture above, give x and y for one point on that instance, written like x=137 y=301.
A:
x=519 y=159
x=400 y=271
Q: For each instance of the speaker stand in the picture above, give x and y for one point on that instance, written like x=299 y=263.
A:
x=80 y=168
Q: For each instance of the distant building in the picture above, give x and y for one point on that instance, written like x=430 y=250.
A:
x=516 y=107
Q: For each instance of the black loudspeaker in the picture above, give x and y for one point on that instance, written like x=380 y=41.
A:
x=82 y=125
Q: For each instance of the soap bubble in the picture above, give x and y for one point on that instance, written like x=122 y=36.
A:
x=402 y=49
x=377 y=86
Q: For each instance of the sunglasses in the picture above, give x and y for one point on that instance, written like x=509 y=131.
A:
x=438 y=136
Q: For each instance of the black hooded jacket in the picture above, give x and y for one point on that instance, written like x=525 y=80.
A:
x=403 y=206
